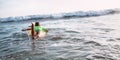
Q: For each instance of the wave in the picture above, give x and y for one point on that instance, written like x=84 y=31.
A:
x=61 y=15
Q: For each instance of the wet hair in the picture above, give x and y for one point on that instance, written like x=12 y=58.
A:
x=37 y=24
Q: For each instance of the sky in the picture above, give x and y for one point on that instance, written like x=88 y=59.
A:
x=34 y=7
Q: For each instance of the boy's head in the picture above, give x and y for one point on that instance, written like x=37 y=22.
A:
x=37 y=24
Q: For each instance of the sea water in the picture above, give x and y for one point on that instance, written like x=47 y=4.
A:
x=88 y=38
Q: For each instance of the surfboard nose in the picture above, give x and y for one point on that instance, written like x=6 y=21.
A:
x=32 y=22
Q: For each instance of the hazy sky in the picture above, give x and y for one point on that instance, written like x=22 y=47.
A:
x=31 y=7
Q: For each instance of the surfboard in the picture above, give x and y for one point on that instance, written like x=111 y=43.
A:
x=32 y=33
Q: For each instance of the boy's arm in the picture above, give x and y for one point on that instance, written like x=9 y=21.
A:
x=44 y=29
x=26 y=29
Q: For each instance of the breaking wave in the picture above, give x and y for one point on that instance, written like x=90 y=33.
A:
x=61 y=15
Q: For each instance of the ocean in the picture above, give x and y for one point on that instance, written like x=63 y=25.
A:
x=92 y=35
